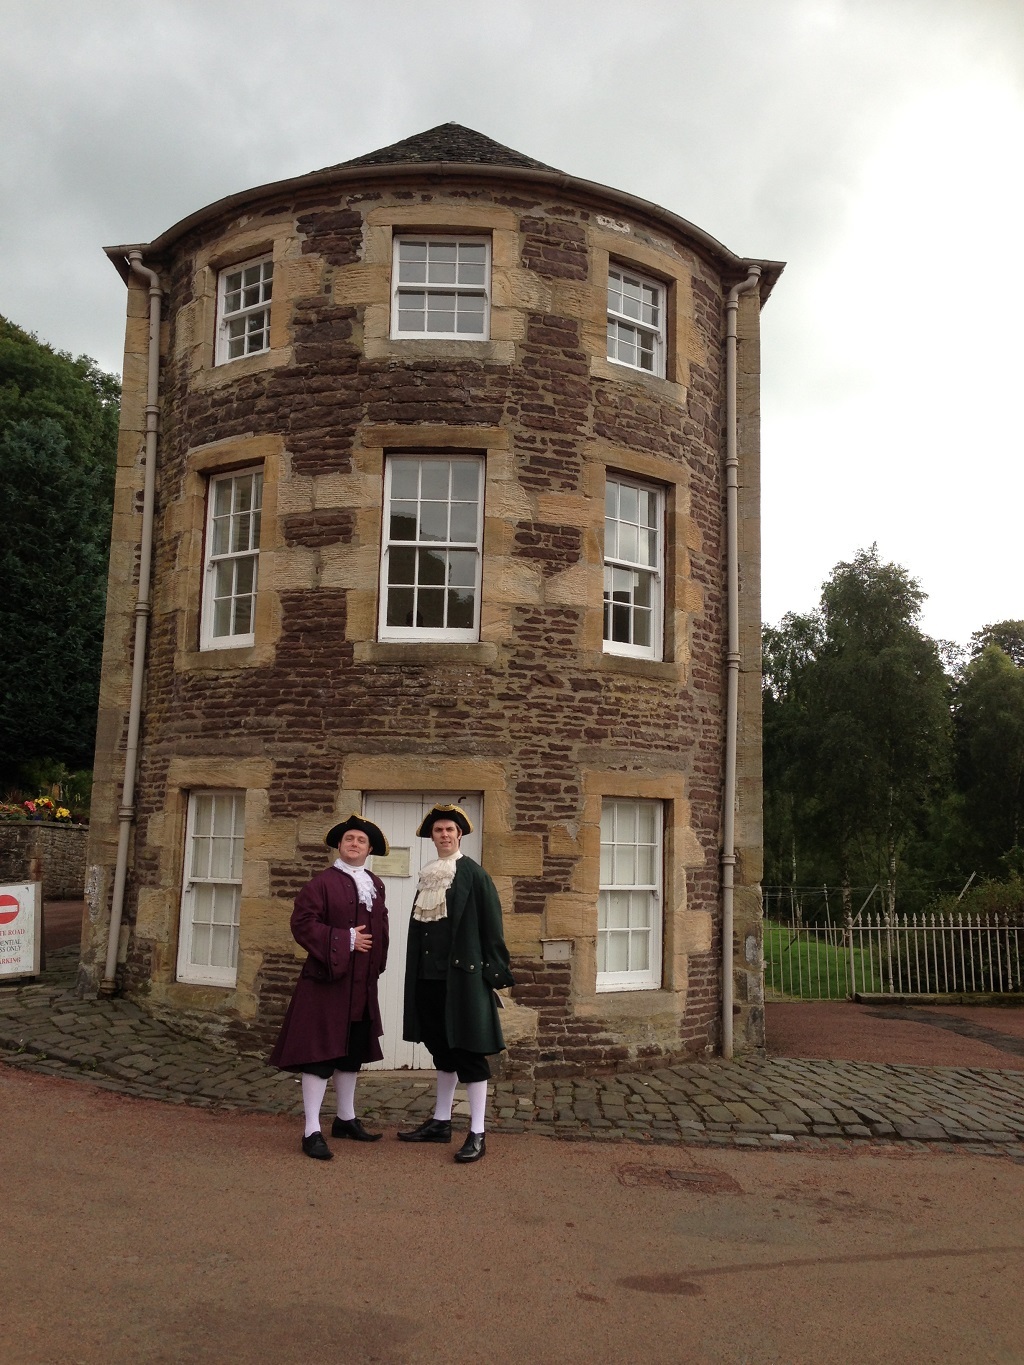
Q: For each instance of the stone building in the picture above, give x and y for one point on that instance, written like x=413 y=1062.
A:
x=424 y=493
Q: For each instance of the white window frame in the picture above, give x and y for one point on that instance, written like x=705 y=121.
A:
x=413 y=557
x=630 y=561
x=632 y=855
x=636 y=320
x=232 y=551
x=244 y=294
x=434 y=285
x=211 y=888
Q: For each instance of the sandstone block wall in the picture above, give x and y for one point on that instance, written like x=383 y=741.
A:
x=534 y=715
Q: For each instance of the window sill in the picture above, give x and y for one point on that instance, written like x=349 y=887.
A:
x=193 y=992
x=628 y=1005
x=603 y=368
x=480 y=652
x=418 y=348
x=216 y=376
x=657 y=669
x=215 y=660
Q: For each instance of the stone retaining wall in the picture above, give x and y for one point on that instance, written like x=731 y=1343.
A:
x=51 y=853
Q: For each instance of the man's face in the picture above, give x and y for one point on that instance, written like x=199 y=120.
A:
x=446 y=836
x=354 y=847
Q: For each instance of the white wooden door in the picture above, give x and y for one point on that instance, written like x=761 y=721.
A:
x=399 y=814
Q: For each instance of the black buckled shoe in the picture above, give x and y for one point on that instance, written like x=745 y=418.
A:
x=352 y=1128
x=315 y=1147
x=472 y=1149
x=433 y=1130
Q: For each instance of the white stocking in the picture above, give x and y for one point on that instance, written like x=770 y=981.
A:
x=314 y=1088
x=345 y=1090
x=476 y=1092
x=446 y=1083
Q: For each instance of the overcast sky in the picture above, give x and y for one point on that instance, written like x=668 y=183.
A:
x=878 y=148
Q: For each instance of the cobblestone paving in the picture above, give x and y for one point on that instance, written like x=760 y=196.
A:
x=754 y=1102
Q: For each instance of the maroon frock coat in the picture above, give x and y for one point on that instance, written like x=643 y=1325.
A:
x=336 y=985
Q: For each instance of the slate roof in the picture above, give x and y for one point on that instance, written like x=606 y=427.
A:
x=446 y=142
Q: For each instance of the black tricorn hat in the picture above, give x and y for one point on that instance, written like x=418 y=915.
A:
x=453 y=813
x=378 y=844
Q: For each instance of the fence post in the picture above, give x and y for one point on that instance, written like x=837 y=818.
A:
x=848 y=924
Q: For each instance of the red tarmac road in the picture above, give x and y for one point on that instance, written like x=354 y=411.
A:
x=135 y=1232
x=914 y=1035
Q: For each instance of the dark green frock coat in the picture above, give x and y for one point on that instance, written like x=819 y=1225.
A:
x=478 y=964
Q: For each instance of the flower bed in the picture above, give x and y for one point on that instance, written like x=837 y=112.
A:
x=39 y=809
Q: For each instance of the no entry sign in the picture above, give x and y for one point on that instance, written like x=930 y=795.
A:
x=21 y=929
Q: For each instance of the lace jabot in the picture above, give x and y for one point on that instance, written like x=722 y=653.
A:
x=362 y=880
x=435 y=879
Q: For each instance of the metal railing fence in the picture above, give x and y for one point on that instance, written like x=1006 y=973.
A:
x=916 y=954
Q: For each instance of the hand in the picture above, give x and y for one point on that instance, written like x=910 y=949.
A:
x=364 y=941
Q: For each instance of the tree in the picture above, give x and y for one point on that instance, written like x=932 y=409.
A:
x=989 y=716
x=1007 y=635
x=788 y=654
x=58 y=434
x=857 y=725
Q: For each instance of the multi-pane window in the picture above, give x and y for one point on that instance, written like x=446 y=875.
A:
x=208 y=937
x=633 y=576
x=243 y=309
x=430 y=572
x=232 y=558
x=441 y=287
x=636 y=321
x=629 y=902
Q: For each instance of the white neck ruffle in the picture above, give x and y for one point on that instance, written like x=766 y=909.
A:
x=431 y=889
x=362 y=880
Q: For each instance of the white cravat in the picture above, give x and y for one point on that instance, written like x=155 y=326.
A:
x=435 y=879
x=362 y=880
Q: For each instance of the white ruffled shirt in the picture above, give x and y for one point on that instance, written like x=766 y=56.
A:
x=431 y=889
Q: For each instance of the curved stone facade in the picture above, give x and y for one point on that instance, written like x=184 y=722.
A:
x=536 y=715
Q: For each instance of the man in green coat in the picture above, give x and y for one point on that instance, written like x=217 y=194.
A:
x=456 y=962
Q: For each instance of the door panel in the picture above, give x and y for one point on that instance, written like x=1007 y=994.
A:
x=399 y=815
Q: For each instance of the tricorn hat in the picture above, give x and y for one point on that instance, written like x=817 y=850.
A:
x=378 y=844
x=453 y=813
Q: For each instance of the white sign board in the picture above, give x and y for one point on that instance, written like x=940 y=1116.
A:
x=21 y=929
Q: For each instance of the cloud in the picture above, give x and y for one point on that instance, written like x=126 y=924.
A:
x=872 y=145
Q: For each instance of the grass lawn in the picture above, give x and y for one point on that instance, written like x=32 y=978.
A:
x=815 y=967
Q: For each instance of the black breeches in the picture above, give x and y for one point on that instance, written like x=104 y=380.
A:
x=430 y=1010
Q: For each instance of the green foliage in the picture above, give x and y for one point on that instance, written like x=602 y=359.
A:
x=856 y=730
x=70 y=788
x=58 y=435
x=1005 y=635
x=987 y=899
x=889 y=756
x=990 y=757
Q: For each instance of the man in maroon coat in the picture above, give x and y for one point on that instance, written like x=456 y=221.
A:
x=333 y=1023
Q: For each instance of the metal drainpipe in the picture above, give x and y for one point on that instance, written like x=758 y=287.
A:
x=126 y=812
x=733 y=656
